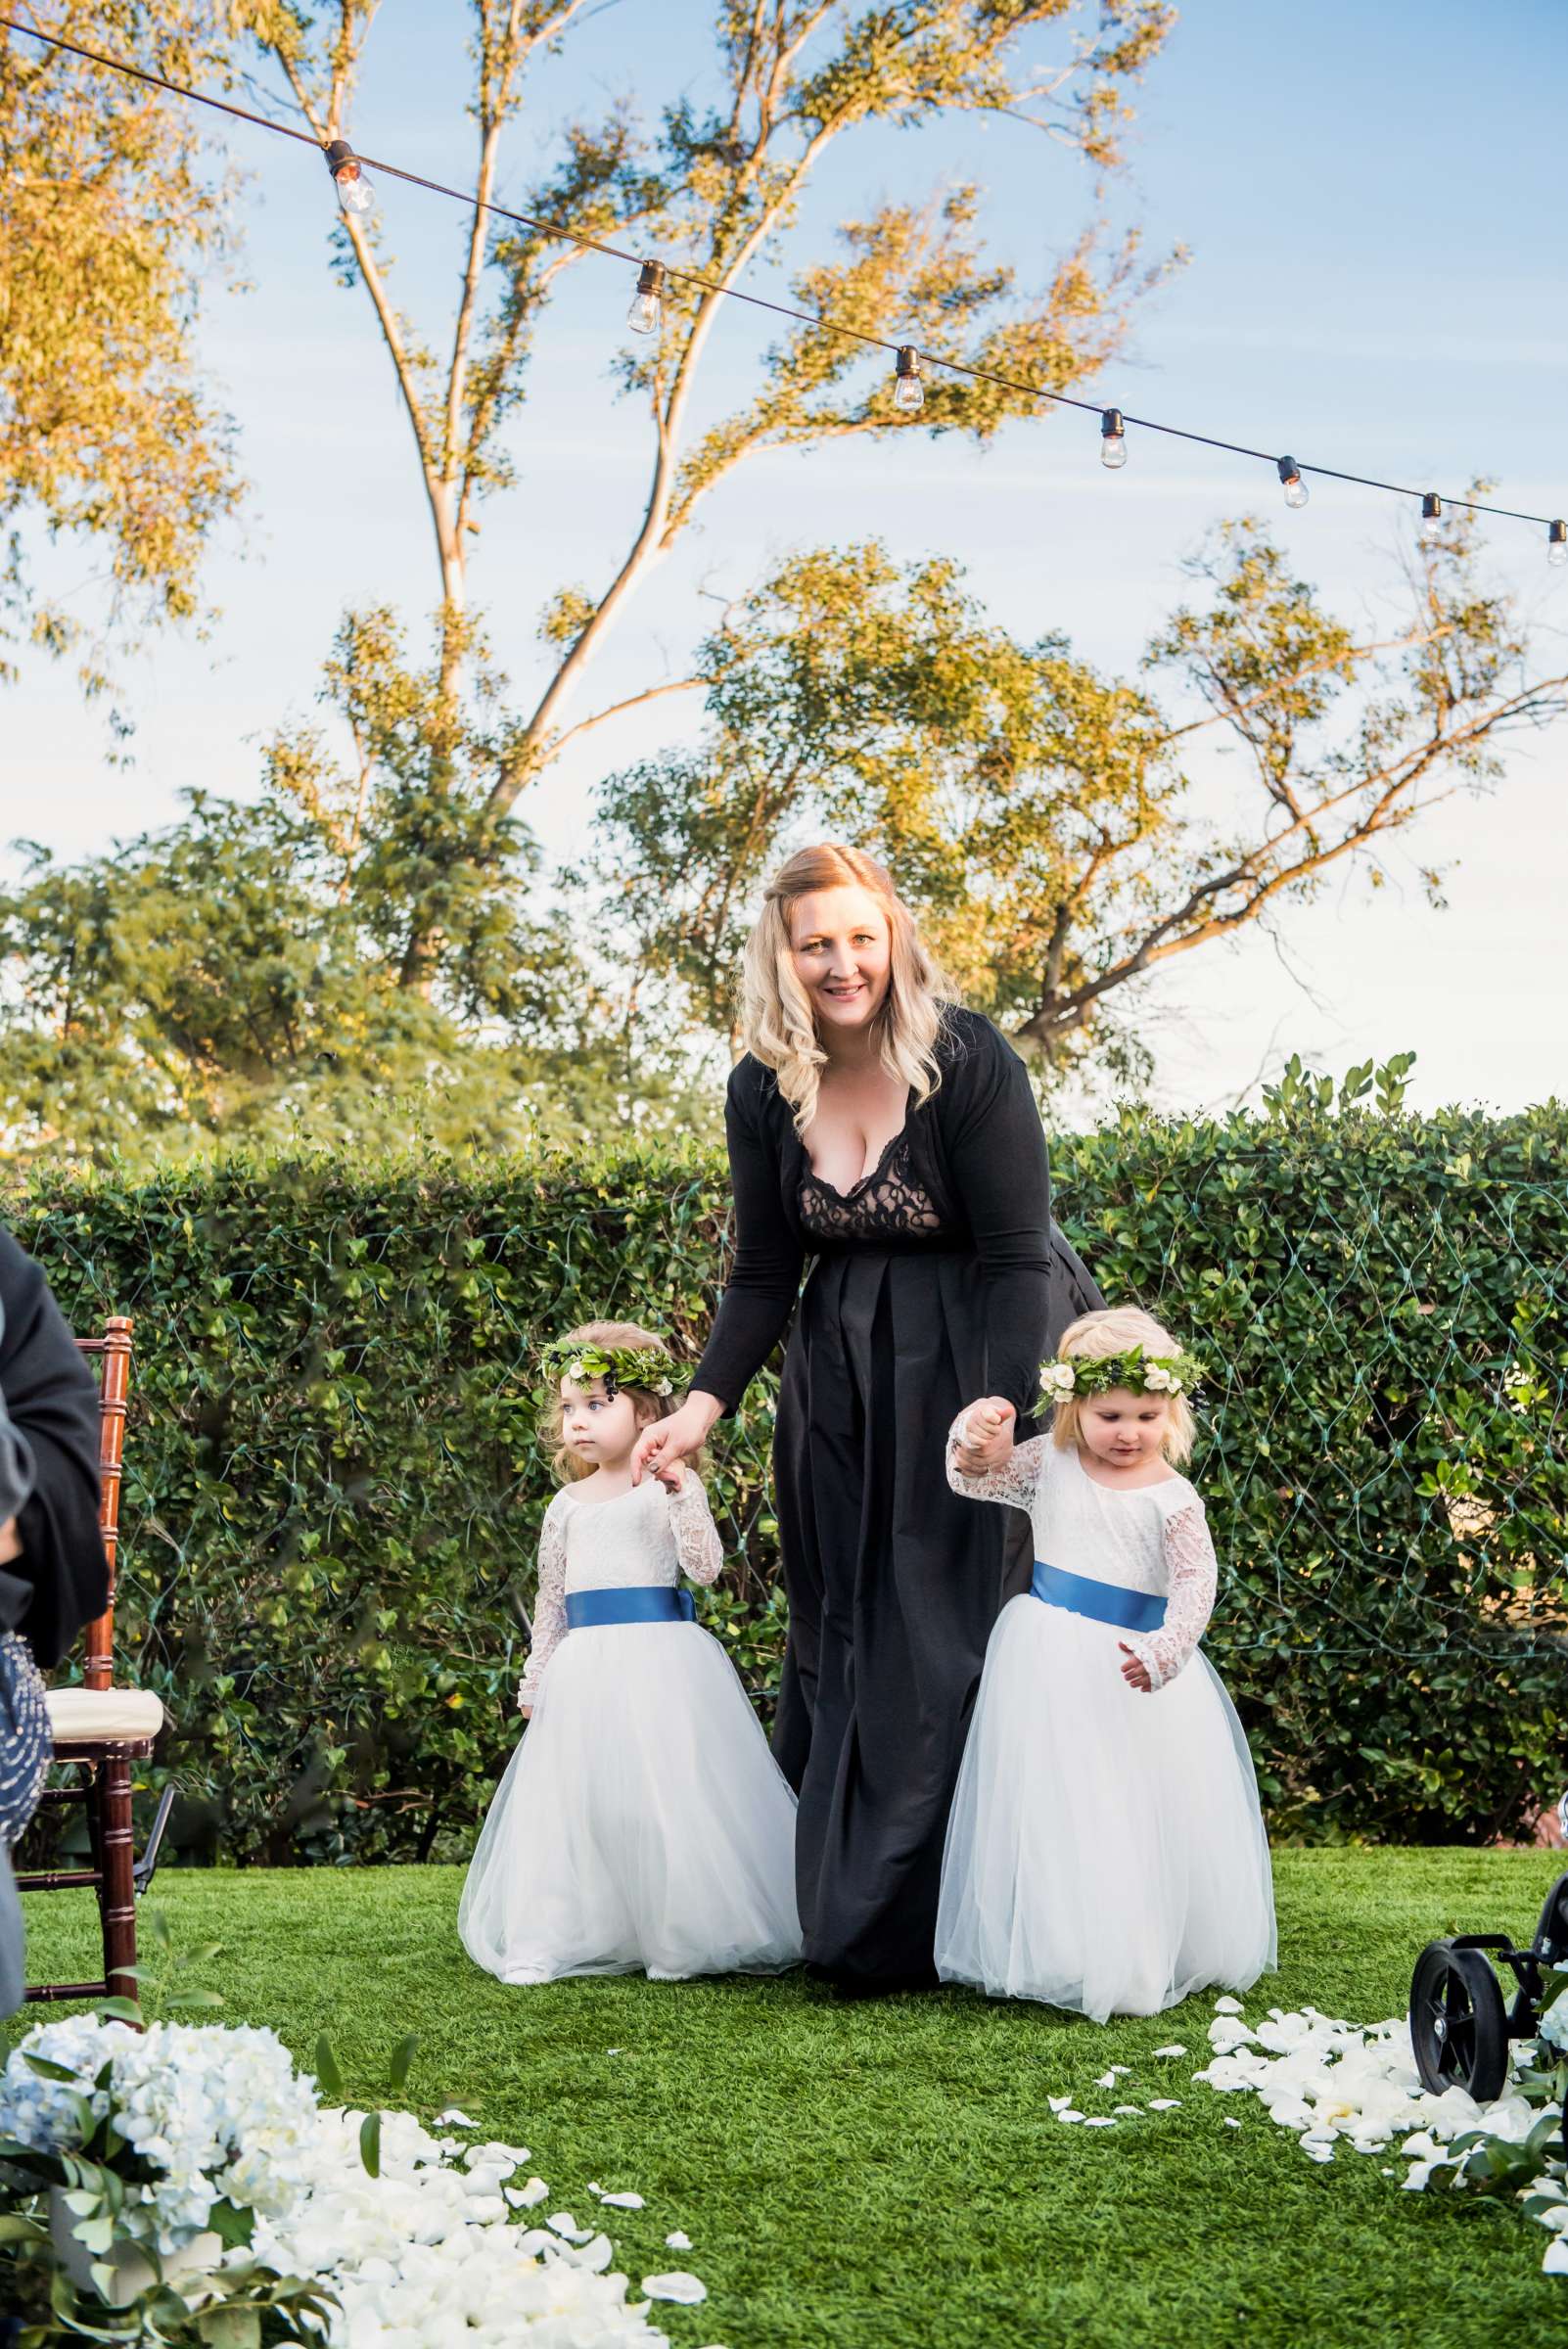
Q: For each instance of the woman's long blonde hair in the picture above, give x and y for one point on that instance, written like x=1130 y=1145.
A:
x=645 y=1403
x=1116 y=1330
x=777 y=1026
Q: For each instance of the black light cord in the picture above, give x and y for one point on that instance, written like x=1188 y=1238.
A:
x=758 y=301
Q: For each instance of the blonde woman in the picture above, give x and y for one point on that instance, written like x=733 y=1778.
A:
x=882 y=1130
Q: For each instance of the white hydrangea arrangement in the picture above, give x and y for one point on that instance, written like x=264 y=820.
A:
x=187 y=2177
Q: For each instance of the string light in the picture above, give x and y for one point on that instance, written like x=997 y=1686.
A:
x=908 y=392
x=647 y=311
x=354 y=192
x=1431 y=518
x=1295 y=487
x=354 y=195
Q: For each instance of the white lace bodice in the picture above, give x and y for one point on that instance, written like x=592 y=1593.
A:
x=645 y=1535
x=1145 y=1536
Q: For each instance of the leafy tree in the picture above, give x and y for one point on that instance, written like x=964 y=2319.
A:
x=237 y=974
x=110 y=212
x=712 y=191
x=1045 y=816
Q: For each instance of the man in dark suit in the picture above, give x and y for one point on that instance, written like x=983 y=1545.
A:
x=53 y=1574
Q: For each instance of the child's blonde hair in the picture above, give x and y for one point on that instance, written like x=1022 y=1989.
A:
x=647 y=1405
x=1092 y=1337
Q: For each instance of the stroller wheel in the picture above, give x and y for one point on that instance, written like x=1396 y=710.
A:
x=1551 y=1934
x=1459 y=2027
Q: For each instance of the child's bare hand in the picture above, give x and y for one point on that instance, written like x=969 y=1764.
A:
x=526 y=1712
x=1134 y=1672
x=986 y=1436
x=672 y=1474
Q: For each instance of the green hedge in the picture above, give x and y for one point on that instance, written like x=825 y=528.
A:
x=333 y=1488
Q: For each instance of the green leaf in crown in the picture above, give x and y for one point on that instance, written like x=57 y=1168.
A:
x=1140 y=1372
x=618 y=1366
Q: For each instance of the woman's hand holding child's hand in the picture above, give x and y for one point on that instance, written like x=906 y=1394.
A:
x=986 y=1439
x=1135 y=1673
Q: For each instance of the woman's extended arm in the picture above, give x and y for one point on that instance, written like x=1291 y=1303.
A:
x=765 y=1274
x=996 y=1152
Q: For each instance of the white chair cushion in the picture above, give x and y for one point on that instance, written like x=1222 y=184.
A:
x=77 y=1714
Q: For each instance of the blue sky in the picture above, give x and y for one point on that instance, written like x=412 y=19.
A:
x=1372 y=202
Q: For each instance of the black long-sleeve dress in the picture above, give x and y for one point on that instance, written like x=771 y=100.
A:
x=937 y=1279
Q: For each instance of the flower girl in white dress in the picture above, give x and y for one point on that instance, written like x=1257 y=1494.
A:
x=643 y=1822
x=1105 y=1851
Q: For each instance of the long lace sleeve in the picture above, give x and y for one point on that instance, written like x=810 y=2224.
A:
x=549 y=1605
x=1017 y=1479
x=1193 y=1571
x=691 y=1521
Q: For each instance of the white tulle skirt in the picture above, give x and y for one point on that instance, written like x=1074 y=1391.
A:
x=1105 y=1851
x=643 y=1822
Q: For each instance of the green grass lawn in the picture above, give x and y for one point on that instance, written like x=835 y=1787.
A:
x=887 y=2176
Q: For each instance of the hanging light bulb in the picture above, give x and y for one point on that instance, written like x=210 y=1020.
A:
x=1431 y=516
x=1113 y=439
x=647 y=311
x=1295 y=487
x=355 y=191
x=1557 y=544
x=908 y=392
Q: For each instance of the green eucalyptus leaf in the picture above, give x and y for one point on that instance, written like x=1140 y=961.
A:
x=327 y=2072
x=401 y=2062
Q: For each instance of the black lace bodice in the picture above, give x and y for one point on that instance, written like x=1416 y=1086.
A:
x=892 y=1200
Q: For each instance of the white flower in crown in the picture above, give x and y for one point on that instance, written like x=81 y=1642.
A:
x=575 y=1370
x=1159 y=1381
x=664 y=1387
x=1061 y=1376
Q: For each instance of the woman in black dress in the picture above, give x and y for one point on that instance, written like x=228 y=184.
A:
x=881 y=1130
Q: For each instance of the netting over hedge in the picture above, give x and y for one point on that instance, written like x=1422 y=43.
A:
x=332 y=1487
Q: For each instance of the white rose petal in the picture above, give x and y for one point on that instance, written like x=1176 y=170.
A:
x=1164 y=2103
x=1227 y=2005
x=1070 y=2116
x=675 y=2285
x=451 y=2118
x=1106 y=2080
x=1099 y=2121
x=1059 y=2104
x=1170 y=2051
x=1127 y=2108
x=622 y=2201
x=1231 y=2122
x=677 y=2242
x=563 y=2222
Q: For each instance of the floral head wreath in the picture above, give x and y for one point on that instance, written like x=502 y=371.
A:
x=1140 y=1372
x=646 y=1366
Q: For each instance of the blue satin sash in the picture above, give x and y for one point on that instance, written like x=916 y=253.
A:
x=1103 y=1602
x=630 y=1602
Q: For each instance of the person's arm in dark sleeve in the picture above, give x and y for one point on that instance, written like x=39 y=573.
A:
x=995 y=1150
x=52 y=1400
x=765 y=1274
